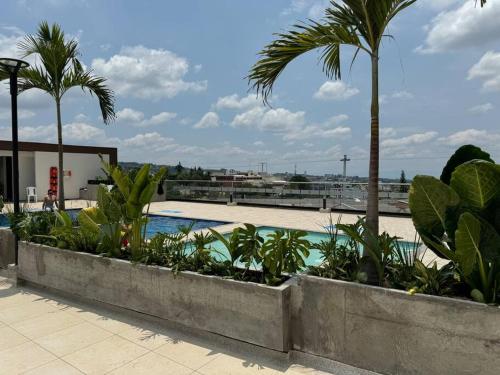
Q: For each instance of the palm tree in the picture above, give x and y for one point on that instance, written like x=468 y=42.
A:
x=58 y=70
x=360 y=24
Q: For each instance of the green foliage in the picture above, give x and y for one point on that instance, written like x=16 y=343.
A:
x=462 y=155
x=132 y=197
x=460 y=223
x=33 y=226
x=340 y=255
x=355 y=23
x=402 y=180
x=436 y=281
x=1 y=203
x=284 y=251
x=299 y=182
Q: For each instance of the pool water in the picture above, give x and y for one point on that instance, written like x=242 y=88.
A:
x=156 y=224
x=170 y=224
x=4 y=222
x=314 y=258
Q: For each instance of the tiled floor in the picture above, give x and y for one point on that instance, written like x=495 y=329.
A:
x=41 y=333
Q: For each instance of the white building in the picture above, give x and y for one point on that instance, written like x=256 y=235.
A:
x=81 y=164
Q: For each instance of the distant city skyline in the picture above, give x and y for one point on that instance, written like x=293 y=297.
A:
x=178 y=70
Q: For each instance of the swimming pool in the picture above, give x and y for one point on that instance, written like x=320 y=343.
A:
x=157 y=223
x=314 y=258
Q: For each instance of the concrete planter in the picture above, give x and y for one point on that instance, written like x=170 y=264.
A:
x=382 y=330
x=392 y=332
x=6 y=247
x=249 y=312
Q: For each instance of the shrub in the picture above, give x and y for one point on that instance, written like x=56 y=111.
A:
x=461 y=223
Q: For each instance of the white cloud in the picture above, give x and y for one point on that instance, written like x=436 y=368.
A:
x=465 y=26
x=258 y=143
x=387 y=132
x=153 y=141
x=313 y=8
x=159 y=119
x=335 y=90
x=437 y=4
x=331 y=128
x=22 y=114
x=317 y=132
x=471 y=136
x=487 y=69
x=480 y=108
x=81 y=117
x=137 y=118
x=30 y=100
x=235 y=102
x=398 y=95
x=129 y=115
x=209 y=120
x=74 y=132
x=147 y=73
x=79 y=131
x=414 y=139
x=277 y=120
x=307 y=154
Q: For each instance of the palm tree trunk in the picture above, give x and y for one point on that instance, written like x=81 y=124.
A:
x=372 y=206
x=61 y=157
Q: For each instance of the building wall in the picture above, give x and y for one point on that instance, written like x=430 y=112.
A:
x=83 y=167
x=26 y=171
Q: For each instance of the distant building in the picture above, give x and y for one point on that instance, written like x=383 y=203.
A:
x=233 y=175
x=38 y=164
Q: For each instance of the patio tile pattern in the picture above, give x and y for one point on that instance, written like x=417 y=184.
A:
x=41 y=333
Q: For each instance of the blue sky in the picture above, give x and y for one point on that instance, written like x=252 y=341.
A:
x=178 y=70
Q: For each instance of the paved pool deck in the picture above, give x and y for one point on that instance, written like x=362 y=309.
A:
x=43 y=333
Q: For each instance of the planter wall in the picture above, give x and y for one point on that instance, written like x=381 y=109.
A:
x=250 y=312
x=378 y=329
x=6 y=247
x=392 y=332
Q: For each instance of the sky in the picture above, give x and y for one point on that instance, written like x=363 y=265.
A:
x=178 y=71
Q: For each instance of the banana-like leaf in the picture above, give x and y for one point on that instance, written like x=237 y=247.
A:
x=477 y=183
x=140 y=182
x=490 y=242
x=429 y=200
x=110 y=208
x=468 y=242
x=90 y=220
x=122 y=181
x=64 y=219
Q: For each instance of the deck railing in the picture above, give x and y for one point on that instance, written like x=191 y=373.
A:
x=349 y=196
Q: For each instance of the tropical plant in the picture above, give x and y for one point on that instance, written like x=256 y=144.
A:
x=461 y=222
x=283 y=251
x=56 y=70
x=462 y=155
x=361 y=24
x=340 y=255
x=434 y=280
x=134 y=196
x=32 y=226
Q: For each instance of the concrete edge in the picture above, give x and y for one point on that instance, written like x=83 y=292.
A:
x=403 y=294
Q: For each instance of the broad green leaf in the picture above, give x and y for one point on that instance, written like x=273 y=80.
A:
x=490 y=242
x=477 y=183
x=468 y=240
x=429 y=201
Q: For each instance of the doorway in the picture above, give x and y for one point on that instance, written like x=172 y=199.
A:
x=6 y=178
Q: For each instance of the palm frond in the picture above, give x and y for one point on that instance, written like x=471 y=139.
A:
x=95 y=85
x=301 y=39
x=357 y=23
x=56 y=54
x=35 y=77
